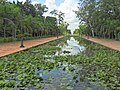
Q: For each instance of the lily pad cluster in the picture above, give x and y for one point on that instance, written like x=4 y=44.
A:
x=96 y=68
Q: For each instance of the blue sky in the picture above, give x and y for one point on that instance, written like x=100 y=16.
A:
x=42 y=1
x=58 y=2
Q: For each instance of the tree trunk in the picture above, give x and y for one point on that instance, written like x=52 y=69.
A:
x=112 y=35
x=93 y=35
x=109 y=34
x=5 y=31
x=119 y=35
x=15 y=33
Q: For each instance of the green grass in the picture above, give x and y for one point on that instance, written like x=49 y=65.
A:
x=11 y=39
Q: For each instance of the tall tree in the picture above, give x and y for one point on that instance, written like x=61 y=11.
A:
x=59 y=15
x=101 y=17
x=40 y=9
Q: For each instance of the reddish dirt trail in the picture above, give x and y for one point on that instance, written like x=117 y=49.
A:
x=13 y=47
x=110 y=44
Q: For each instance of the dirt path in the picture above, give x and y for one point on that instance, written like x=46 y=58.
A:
x=13 y=47
x=108 y=43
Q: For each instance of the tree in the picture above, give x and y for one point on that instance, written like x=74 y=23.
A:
x=80 y=30
x=101 y=17
x=40 y=9
x=60 y=16
x=51 y=25
x=24 y=19
x=8 y=14
x=63 y=28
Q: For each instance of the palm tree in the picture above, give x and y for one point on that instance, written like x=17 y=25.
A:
x=60 y=16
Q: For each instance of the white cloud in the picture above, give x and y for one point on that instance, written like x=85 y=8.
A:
x=35 y=2
x=66 y=7
x=51 y=6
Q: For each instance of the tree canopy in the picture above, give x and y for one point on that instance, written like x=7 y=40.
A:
x=102 y=17
x=19 y=17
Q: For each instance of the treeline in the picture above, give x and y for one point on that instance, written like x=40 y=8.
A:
x=18 y=19
x=101 y=17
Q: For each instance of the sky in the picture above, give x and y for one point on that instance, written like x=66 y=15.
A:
x=65 y=6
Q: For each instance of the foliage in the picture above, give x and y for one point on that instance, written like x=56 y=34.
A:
x=80 y=30
x=25 y=18
x=97 y=64
x=60 y=21
x=102 y=17
x=63 y=28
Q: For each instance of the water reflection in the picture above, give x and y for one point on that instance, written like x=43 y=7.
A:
x=71 y=48
x=66 y=76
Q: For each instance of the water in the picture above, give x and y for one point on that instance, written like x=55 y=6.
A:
x=63 y=75
x=66 y=76
x=71 y=47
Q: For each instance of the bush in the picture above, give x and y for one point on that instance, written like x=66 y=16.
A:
x=8 y=39
x=26 y=36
